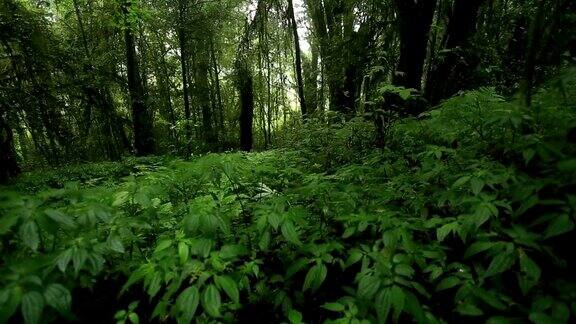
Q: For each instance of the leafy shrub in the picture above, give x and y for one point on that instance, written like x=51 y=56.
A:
x=467 y=213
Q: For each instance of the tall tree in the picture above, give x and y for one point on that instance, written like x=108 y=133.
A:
x=414 y=23
x=452 y=70
x=297 y=54
x=8 y=158
x=182 y=41
x=141 y=118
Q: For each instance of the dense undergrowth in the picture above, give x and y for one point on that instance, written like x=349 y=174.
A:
x=467 y=214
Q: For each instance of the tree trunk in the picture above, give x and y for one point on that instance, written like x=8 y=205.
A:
x=8 y=158
x=184 y=68
x=414 y=22
x=203 y=93
x=452 y=73
x=298 y=59
x=142 y=123
x=245 y=87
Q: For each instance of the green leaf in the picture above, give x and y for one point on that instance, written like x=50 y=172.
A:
x=296 y=267
x=315 y=277
x=476 y=185
x=469 y=309
x=7 y=221
x=529 y=267
x=211 y=300
x=79 y=256
x=530 y=273
x=32 y=307
x=12 y=297
x=354 y=256
x=163 y=245
x=134 y=318
x=502 y=262
x=183 y=252
x=289 y=232
x=562 y=224
x=274 y=220
x=383 y=305
x=460 y=182
x=335 y=307
x=478 y=247
x=29 y=235
x=187 y=303
x=446 y=229
x=229 y=286
x=294 y=316
x=397 y=299
x=115 y=244
x=120 y=198
x=63 y=259
x=448 y=283
x=59 y=298
x=368 y=286
x=59 y=217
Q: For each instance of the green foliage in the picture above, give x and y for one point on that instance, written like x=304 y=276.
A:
x=467 y=213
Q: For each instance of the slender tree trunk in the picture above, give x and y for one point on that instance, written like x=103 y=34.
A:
x=142 y=123
x=297 y=53
x=203 y=94
x=414 y=20
x=218 y=89
x=244 y=82
x=452 y=73
x=8 y=158
x=184 y=68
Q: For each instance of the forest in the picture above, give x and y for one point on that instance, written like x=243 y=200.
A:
x=287 y=161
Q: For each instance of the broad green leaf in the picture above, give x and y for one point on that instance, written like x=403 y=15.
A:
x=229 y=286
x=63 y=259
x=491 y=298
x=58 y=297
x=446 y=229
x=274 y=220
x=120 y=198
x=294 y=316
x=59 y=217
x=476 y=185
x=460 y=182
x=478 y=247
x=335 y=307
x=211 y=301
x=383 y=305
x=115 y=244
x=448 y=283
x=368 y=286
x=183 y=252
x=530 y=273
x=10 y=306
x=32 y=307
x=187 y=303
x=7 y=221
x=560 y=225
x=289 y=232
x=29 y=235
x=133 y=317
x=79 y=256
x=398 y=300
x=163 y=245
x=501 y=262
x=315 y=277
x=296 y=267
x=469 y=309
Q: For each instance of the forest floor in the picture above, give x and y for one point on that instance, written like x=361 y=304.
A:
x=468 y=211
